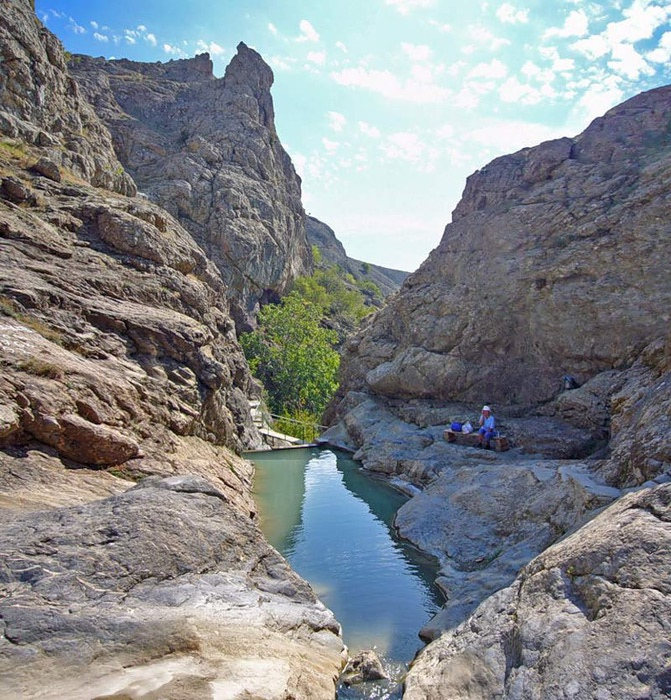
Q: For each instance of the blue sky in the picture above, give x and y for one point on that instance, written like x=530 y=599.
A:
x=386 y=106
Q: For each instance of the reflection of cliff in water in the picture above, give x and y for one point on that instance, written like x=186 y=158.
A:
x=383 y=501
x=279 y=490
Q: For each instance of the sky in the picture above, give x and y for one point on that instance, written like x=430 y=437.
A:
x=386 y=106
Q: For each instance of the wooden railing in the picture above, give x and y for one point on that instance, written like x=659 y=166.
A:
x=273 y=427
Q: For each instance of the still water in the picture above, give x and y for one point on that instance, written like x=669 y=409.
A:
x=333 y=524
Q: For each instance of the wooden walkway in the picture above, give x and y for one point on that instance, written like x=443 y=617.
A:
x=271 y=437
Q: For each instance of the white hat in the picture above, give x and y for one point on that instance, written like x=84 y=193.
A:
x=486 y=408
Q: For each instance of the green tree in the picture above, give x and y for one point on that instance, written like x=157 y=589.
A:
x=294 y=357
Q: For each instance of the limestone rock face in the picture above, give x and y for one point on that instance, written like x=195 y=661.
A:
x=120 y=363
x=588 y=618
x=117 y=329
x=41 y=104
x=163 y=591
x=556 y=262
x=206 y=150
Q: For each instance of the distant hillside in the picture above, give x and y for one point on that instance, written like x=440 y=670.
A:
x=333 y=253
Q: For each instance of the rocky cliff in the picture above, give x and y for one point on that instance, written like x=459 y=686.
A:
x=556 y=262
x=207 y=151
x=120 y=363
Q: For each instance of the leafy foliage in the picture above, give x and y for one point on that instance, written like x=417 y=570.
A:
x=293 y=351
x=294 y=356
x=339 y=297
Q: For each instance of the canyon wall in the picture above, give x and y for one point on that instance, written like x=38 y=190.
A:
x=207 y=151
x=556 y=262
x=131 y=563
x=553 y=555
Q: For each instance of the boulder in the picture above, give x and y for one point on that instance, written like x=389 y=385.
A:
x=585 y=619
x=163 y=589
x=365 y=666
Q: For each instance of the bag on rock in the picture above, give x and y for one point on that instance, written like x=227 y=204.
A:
x=467 y=427
x=456 y=426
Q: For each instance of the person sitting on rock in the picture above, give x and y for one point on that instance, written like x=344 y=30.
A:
x=487 y=427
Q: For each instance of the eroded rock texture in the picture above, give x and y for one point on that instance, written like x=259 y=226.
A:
x=556 y=262
x=206 y=150
x=119 y=362
x=41 y=103
x=589 y=618
x=162 y=591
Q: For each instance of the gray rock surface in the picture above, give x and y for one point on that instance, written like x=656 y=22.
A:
x=120 y=362
x=165 y=591
x=588 y=618
x=206 y=150
x=365 y=666
x=42 y=106
x=556 y=262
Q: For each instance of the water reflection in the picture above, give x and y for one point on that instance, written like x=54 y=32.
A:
x=333 y=525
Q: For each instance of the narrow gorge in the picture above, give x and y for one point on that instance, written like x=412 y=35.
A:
x=146 y=212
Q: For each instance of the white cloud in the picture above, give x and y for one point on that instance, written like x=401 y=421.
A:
x=456 y=69
x=662 y=54
x=174 y=50
x=282 y=62
x=508 y=14
x=482 y=35
x=593 y=47
x=523 y=93
x=493 y=70
x=447 y=131
x=212 y=48
x=531 y=70
x=299 y=161
x=308 y=32
x=272 y=28
x=598 y=99
x=369 y=130
x=443 y=28
x=404 y=145
x=141 y=28
x=388 y=85
x=416 y=52
x=330 y=146
x=406 y=6
x=151 y=39
x=341 y=46
x=94 y=24
x=559 y=64
x=641 y=21
x=337 y=121
x=505 y=137
x=130 y=38
x=628 y=62
x=318 y=57
x=100 y=37
x=576 y=24
x=76 y=28
x=467 y=98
